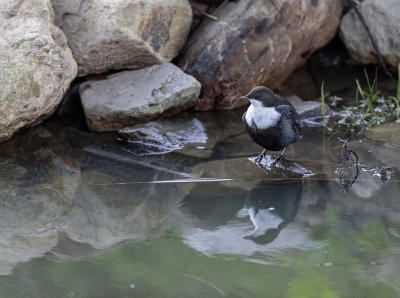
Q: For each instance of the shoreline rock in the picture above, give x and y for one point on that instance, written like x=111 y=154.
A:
x=117 y=34
x=36 y=66
x=382 y=18
x=255 y=43
x=131 y=97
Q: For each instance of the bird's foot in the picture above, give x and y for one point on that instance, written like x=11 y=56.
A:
x=279 y=157
x=275 y=160
x=259 y=158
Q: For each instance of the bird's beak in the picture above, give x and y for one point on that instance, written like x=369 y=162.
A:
x=244 y=97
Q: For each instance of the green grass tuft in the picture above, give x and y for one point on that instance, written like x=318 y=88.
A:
x=372 y=108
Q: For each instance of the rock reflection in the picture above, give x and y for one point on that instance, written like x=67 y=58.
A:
x=272 y=206
x=31 y=211
x=55 y=197
x=106 y=215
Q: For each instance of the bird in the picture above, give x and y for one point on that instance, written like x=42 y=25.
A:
x=271 y=207
x=271 y=121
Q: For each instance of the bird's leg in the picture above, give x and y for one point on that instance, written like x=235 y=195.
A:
x=280 y=156
x=260 y=157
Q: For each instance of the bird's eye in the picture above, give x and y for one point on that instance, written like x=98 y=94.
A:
x=257 y=95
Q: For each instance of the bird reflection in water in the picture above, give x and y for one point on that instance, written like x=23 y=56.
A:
x=272 y=206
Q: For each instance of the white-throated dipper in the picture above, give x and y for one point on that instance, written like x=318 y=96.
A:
x=271 y=121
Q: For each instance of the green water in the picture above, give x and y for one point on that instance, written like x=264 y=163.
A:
x=81 y=217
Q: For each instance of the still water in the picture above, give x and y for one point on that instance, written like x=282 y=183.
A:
x=82 y=217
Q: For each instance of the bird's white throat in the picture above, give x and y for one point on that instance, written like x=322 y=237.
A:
x=262 y=117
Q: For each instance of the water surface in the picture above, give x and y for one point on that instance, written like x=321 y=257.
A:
x=82 y=217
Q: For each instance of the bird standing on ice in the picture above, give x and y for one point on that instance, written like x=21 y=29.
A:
x=271 y=121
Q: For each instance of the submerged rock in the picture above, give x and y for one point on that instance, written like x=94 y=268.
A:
x=382 y=18
x=118 y=34
x=131 y=97
x=386 y=132
x=162 y=136
x=256 y=43
x=284 y=167
x=245 y=175
x=36 y=65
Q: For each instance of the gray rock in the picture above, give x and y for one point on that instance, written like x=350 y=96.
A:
x=383 y=20
x=36 y=65
x=284 y=167
x=163 y=136
x=120 y=34
x=255 y=43
x=308 y=109
x=131 y=97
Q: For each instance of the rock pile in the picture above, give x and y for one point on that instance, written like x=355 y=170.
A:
x=245 y=43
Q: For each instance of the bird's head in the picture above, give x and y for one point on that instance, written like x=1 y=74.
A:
x=261 y=97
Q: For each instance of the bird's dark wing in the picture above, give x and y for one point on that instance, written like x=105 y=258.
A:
x=289 y=113
x=246 y=125
x=283 y=101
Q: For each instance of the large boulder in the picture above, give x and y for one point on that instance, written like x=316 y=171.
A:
x=117 y=34
x=383 y=20
x=36 y=65
x=256 y=43
x=131 y=97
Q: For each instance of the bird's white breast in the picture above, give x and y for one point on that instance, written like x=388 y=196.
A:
x=262 y=117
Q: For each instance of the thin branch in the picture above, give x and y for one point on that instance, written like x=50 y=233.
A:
x=205 y=13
